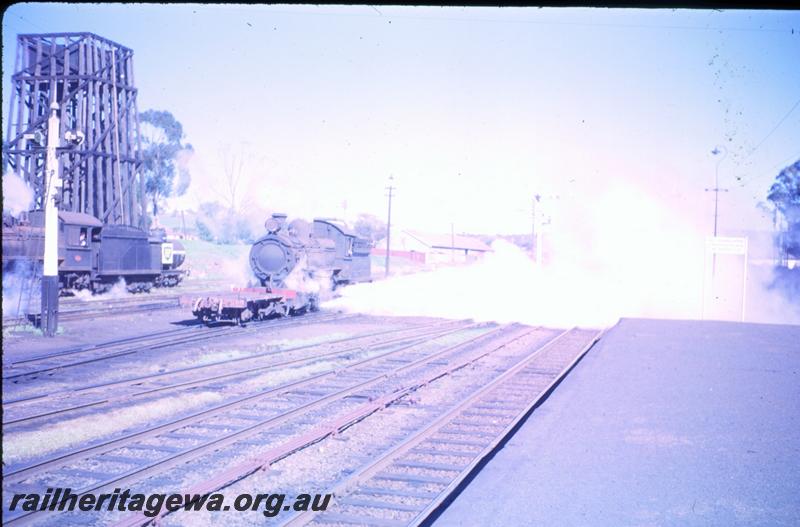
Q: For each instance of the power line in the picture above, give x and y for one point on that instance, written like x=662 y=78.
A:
x=770 y=171
x=535 y=22
x=28 y=21
x=769 y=134
x=796 y=104
x=786 y=161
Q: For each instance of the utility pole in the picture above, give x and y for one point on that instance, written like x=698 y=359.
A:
x=183 y=223
x=716 y=190
x=452 y=242
x=53 y=185
x=390 y=188
x=534 y=245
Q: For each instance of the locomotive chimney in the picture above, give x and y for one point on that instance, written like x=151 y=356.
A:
x=275 y=223
x=280 y=217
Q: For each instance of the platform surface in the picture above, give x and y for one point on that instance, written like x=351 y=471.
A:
x=662 y=423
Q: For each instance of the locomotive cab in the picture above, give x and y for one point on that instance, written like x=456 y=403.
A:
x=352 y=252
x=77 y=250
x=75 y=247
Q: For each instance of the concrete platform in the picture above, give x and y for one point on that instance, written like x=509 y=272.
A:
x=662 y=423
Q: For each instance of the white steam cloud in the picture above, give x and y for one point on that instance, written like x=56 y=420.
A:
x=620 y=254
x=17 y=195
x=305 y=281
x=118 y=290
x=237 y=271
x=21 y=289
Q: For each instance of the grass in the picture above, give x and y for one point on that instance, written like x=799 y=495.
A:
x=212 y=260
x=27 y=327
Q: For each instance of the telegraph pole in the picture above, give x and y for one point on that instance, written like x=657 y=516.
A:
x=53 y=185
x=390 y=188
x=183 y=223
x=716 y=190
x=452 y=242
x=534 y=245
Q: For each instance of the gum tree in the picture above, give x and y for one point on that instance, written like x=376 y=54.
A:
x=161 y=136
x=785 y=197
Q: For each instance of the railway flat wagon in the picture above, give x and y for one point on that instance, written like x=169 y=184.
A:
x=252 y=303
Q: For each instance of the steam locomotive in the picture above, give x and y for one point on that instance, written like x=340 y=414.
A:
x=327 y=250
x=94 y=256
x=294 y=264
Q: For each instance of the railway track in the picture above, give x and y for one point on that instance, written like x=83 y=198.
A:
x=268 y=412
x=411 y=479
x=82 y=398
x=444 y=454
x=107 y=308
x=518 y=371
x=100 y=309
x=71 y=308
x=58 y=361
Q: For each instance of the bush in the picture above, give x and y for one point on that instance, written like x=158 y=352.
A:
x=203 y=232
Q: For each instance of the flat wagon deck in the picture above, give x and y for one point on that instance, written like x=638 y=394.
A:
x=247 y=303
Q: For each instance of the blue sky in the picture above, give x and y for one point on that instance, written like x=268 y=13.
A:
x=473 y=110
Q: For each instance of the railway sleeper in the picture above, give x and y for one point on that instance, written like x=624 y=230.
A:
x=380 y=504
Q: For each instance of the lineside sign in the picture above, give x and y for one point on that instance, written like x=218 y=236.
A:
x=726 y=245
x=723 y=245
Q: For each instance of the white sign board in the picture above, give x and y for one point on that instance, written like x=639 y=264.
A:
x=166 y=253
x=724 y=245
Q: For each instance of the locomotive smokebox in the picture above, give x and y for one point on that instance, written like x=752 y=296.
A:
x=271 y=260
x=273 y=256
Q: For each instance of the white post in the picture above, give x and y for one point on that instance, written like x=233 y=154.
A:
x=744 y=278
x=452 y=242
x=53 y=188
x=539 y=246
x=705 y=279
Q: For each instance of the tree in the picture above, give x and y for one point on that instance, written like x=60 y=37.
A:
x=238 y=165
x=223 y=225
x=243 y=232
x=203 y=232
x=370 y=226
x=785 y=197
x=163 y=154
x=210 y=209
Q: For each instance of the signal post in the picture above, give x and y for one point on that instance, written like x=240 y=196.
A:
x=53 y=189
